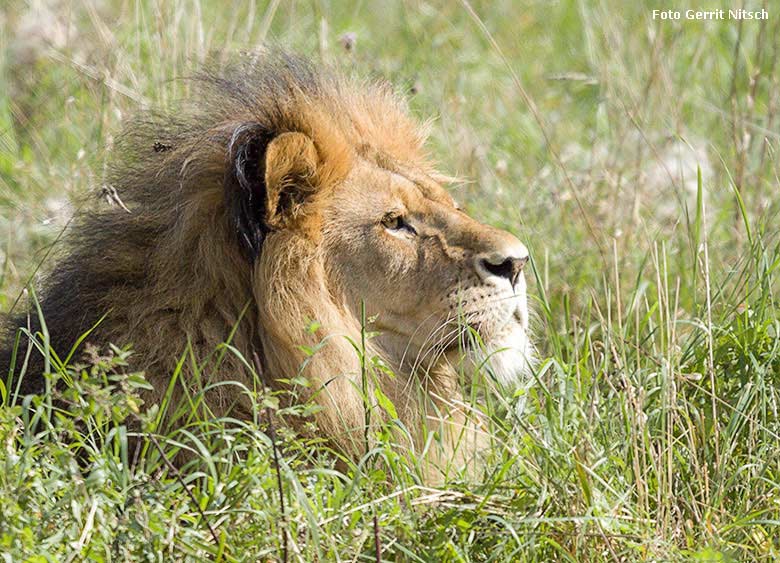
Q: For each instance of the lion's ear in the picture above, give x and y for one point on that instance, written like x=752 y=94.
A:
x=291 y=163
x=267 y=181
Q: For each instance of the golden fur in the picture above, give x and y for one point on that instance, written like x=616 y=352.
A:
x=280 y=195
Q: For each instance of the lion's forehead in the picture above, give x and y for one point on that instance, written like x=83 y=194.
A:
x=420 y=197
x=419 y=182
x=376 y=186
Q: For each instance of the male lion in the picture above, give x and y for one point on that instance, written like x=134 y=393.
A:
x=276 y=209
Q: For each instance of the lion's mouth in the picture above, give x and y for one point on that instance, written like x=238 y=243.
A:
x=503 y=351
x=475 y=334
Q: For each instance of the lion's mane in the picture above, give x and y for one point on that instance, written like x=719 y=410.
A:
x=175 y=265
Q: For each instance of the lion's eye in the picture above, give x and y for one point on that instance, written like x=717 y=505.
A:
x=395 y=222
x=392 y=222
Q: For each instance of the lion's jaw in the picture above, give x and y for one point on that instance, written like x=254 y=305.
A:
x=508 y=356
x=501 y=349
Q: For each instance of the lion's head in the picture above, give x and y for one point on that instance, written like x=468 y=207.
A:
x=300 y=206
x=396 y=240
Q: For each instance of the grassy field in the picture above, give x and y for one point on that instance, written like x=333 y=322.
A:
x=638 y=160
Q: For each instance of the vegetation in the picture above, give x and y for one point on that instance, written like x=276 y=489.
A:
x=637 y=158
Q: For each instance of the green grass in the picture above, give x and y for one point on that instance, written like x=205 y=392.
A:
x=650 y=430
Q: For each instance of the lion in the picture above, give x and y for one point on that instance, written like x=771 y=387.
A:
x=289 y=210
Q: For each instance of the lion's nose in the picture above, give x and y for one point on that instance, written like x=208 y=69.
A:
x=507 y=264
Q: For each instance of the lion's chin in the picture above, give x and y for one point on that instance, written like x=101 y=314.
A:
x=508 y=356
